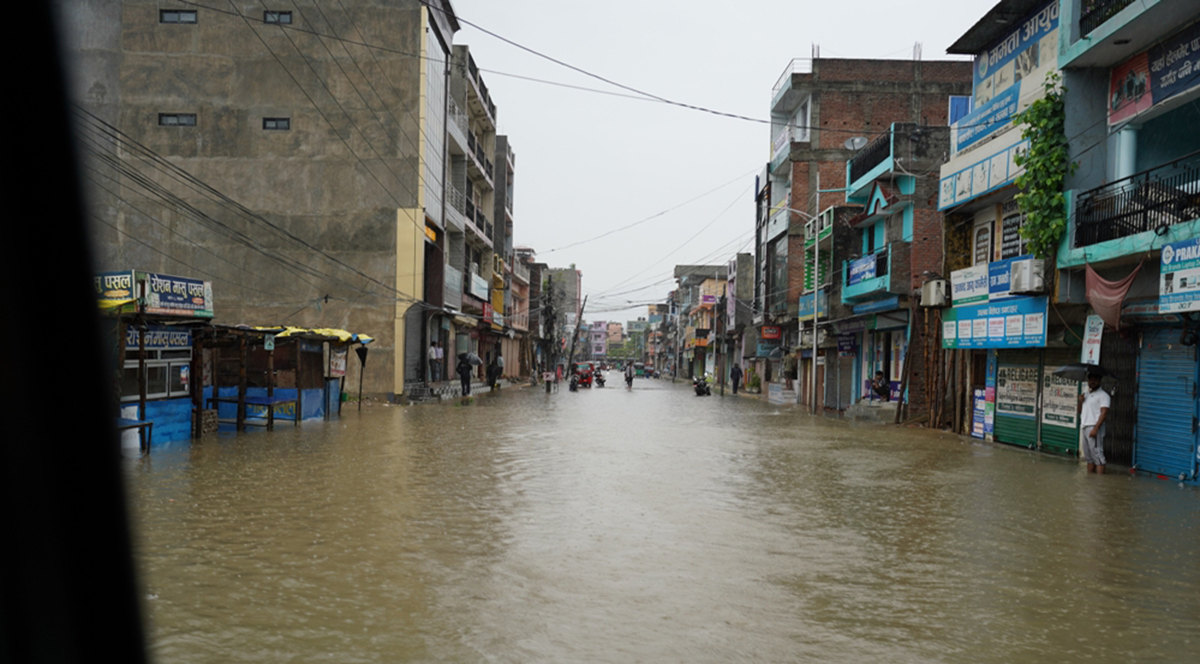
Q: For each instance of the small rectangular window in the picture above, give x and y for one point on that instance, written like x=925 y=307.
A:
x=277 y=124
x=177 y=119
x=177 y=16
x=279 y=18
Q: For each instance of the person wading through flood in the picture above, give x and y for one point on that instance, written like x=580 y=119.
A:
x=735 y=377
x=464 y=373
x=1093 y=410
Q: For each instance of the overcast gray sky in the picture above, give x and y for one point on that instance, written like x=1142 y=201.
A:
x=590 y=163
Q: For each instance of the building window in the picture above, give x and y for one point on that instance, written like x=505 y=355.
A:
x=277 y=124
x=278 y=18
x=177 y=16
x=177 y=119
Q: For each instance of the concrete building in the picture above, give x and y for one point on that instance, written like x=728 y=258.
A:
x=304 y=176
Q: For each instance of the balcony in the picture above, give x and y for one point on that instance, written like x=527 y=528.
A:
x=480 y=101
x=1108 y=32
x=879 y=274
x=477 y=162
x=1094 y=13
x=458 y=124
x=457 y=210
x=871 y=156
x=1157 y=198
x=521 y=272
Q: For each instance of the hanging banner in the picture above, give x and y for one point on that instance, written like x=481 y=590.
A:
x=337 y=362
x=1016 y=391
x=1179 y=277
x=1060 y=399
x=1092 y=336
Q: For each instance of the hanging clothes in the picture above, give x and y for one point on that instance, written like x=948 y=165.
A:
x=1106 y=296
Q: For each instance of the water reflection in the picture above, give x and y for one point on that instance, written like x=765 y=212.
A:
x=650 y=525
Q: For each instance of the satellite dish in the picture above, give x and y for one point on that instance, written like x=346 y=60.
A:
x=855 y=143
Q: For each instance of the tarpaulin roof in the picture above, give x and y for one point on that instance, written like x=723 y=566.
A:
x=316 y=332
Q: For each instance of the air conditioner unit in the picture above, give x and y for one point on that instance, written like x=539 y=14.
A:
x=1028 y=276
x=823 y=338
x=933 y=293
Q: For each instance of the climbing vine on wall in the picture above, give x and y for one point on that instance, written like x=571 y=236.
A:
x=1046 y=165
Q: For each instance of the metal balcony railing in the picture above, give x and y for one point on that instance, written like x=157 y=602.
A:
x=870 y=156
x=458 y=117
x=458 y=200
x=1093 y=13
x=796 y=66
x=1159 y=197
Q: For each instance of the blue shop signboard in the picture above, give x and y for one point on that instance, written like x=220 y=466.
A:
x=1179 y=277
x=862 y=269
x=177 y=296
x=807 y=305
x=1000 y=277
x=1016 y=323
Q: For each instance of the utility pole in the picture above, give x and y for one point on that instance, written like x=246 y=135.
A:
x=575 y=335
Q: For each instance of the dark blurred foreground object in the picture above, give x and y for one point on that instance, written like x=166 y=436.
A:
x=67 y=590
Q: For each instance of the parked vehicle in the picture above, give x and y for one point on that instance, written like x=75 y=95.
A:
x=585 y=371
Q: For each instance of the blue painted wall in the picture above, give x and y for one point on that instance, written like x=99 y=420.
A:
x=172 y=421
x=312 y=403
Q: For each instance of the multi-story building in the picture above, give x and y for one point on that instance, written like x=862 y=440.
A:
x=470 y=228
x=1015 y=47
x=1131 y=71
x=303 y=176
x=822 y=111
x=700 y=289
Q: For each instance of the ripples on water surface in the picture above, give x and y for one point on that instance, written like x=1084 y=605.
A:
x=652 y=526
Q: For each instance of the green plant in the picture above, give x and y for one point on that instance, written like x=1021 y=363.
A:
x=753 y=382
x=1046 y=162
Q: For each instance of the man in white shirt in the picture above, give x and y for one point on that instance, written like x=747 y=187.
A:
x=435 y=364
x=1093 y=410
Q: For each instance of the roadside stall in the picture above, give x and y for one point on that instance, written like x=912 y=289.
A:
x=257 y=376
x=151 y=324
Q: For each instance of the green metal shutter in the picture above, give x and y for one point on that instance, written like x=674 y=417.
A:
x=1017 y=380
x=1060 y=401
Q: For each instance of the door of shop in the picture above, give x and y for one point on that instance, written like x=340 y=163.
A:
x=1165 y=441
x=1017 y=382
x=1060 y=401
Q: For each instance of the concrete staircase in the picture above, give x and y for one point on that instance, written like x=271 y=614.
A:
x=882 y=412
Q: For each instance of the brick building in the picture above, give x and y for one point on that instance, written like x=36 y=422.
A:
x=823 y=111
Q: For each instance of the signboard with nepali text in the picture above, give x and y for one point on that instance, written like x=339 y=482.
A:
x=969 y=285
x=1179 y=277
x=177 y=296
x=1151 y=77
x=1016 y=323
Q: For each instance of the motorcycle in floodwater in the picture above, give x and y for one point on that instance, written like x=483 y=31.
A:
x=599 y=379
x=573 y=385
x=700 y=385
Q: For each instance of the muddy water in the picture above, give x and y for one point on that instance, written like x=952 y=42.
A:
x=652 y=526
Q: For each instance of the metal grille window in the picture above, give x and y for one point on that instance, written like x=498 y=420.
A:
x=177 y=16
x=277 y=124
x=278 y=18
x=177 y=119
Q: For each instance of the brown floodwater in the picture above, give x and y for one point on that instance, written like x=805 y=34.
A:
x=652 y=526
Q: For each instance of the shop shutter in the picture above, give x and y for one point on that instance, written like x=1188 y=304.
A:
x=1017 y=381
x=1119 y=355
x=1060 y=401
x=1165 y=441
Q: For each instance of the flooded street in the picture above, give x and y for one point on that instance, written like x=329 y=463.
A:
x=652 y=526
